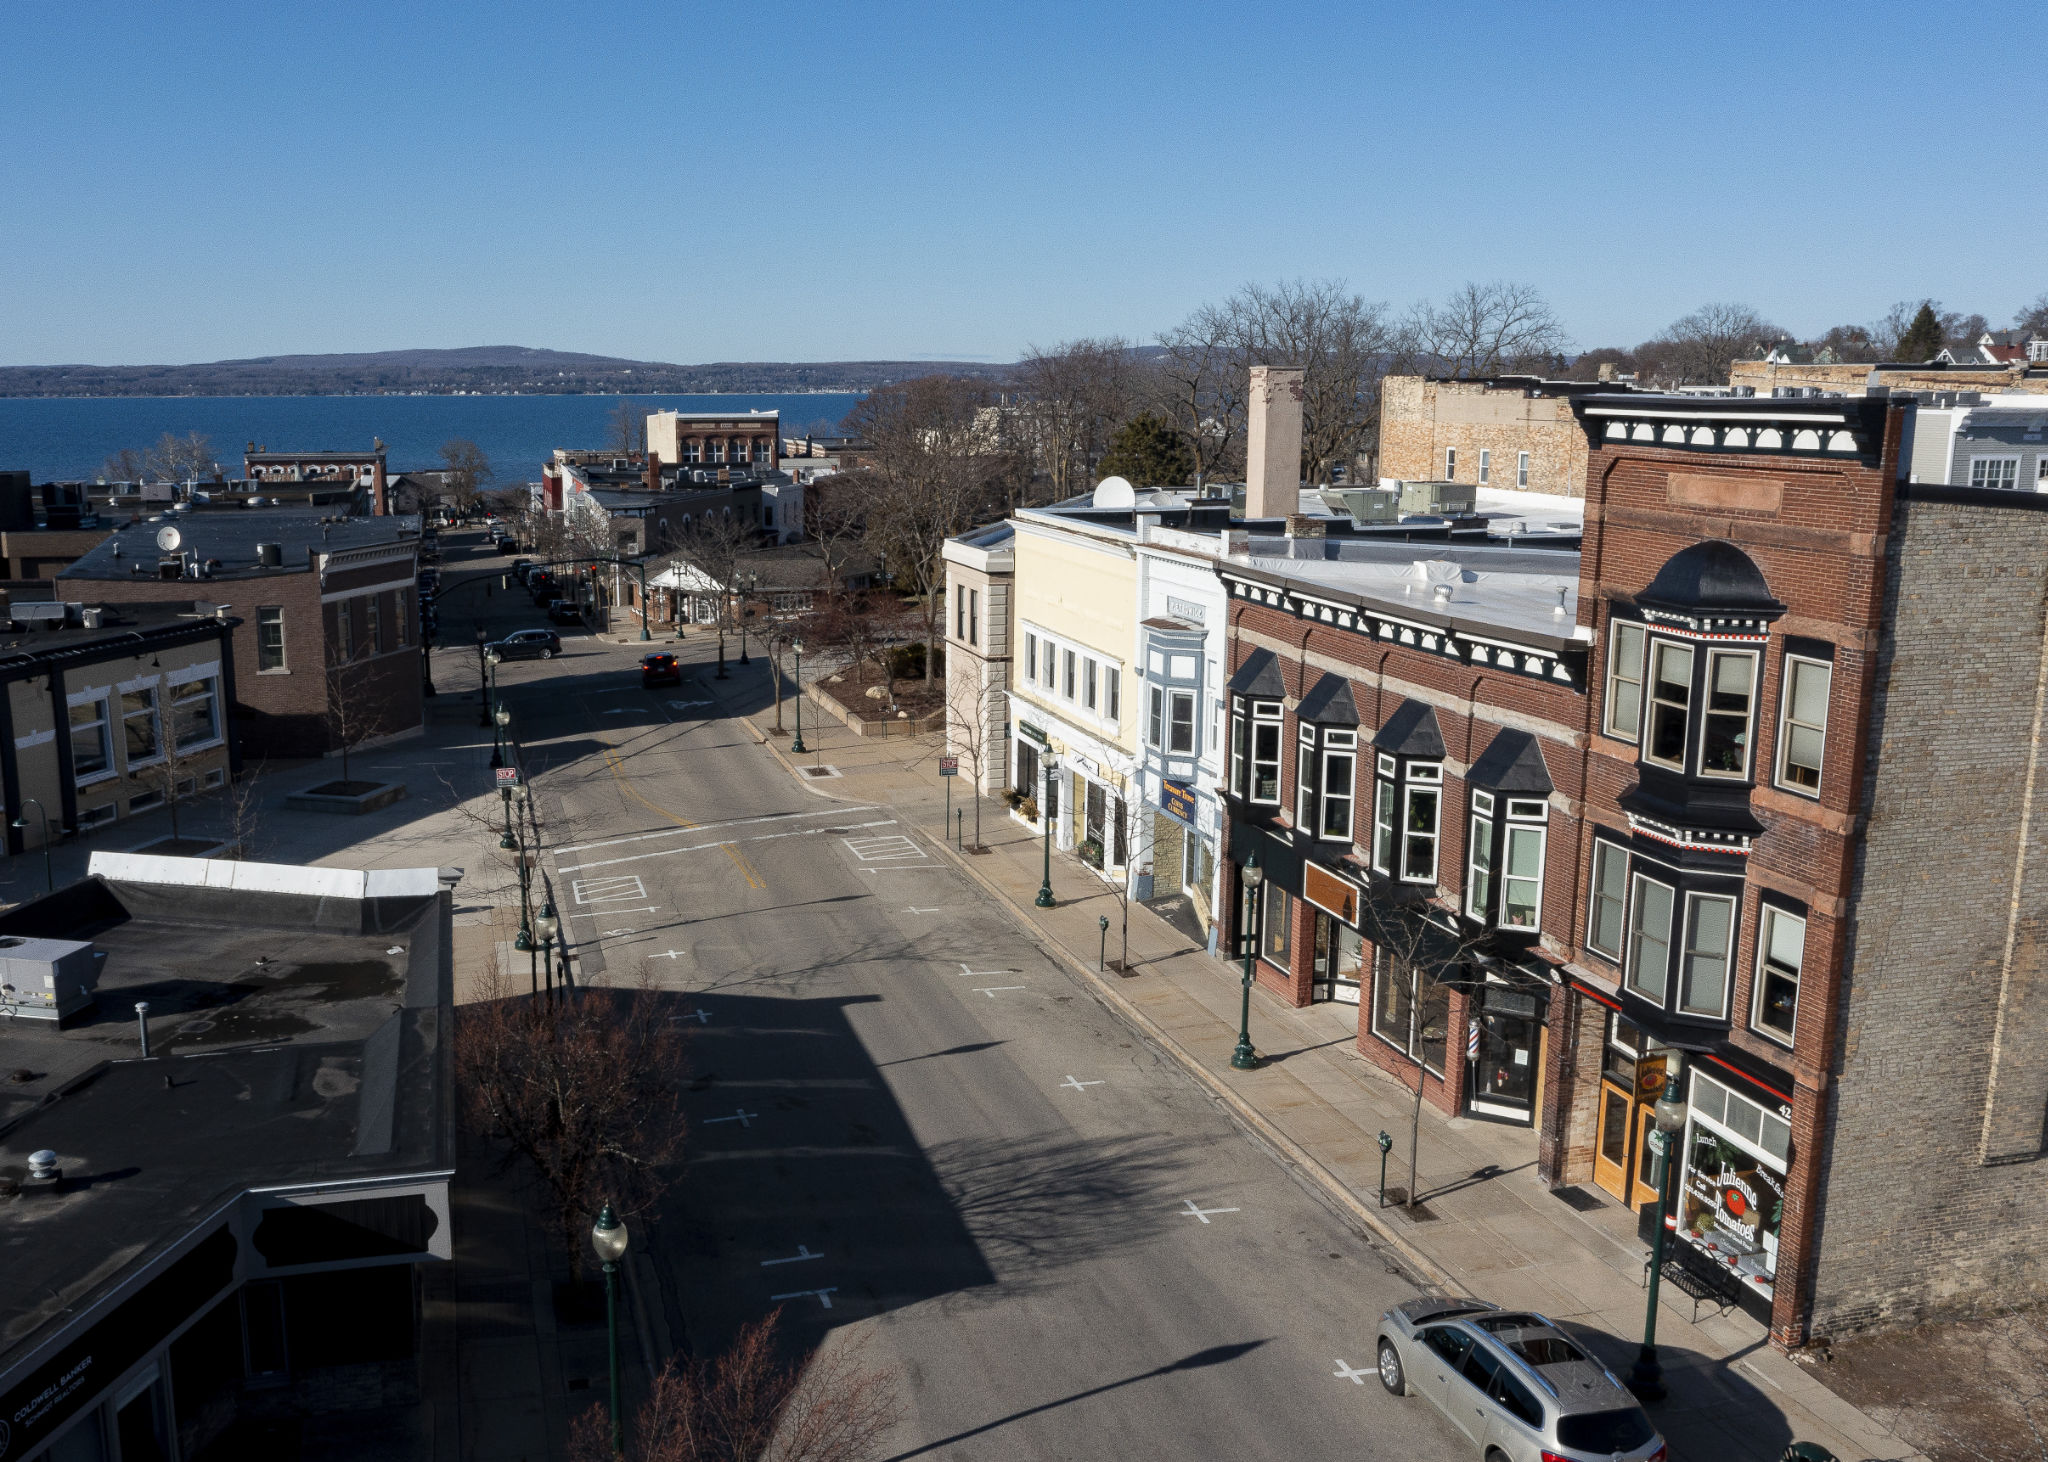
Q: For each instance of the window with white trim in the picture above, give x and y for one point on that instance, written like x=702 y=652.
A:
x=1422 y=803
x=1803 y=724
x=1608 y=901
x=1384 y=791
x=138 y=726
x=1780 y=954
x=1339 y=782
x=1305 y=779
x=1522 y=471
x=1724 y=729
x=974 y=616
x=1155 y=717
x=1112 y=695
x=269 y=638
x=1485 y=465
x=1521 y=886
x=1670 y=704
x=1450 y=464
x=1624 y=680
x=1709 y=949
x=91 y=753
x=1067 y=659
x=374 y=635
x=1031 y=658
x=1180 y=722
x=2001 y=472
x=1087 y=682
x=1479 y=858
x=195 y=713
x=1261 y=783
x=1649 y=938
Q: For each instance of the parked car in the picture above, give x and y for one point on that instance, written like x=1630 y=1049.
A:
x=562 y=611
x=1514 y=1383
x=508 y=545
x=529 y=644
x=660 y=668
x=520 y=568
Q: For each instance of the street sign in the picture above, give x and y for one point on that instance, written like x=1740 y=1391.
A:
x=949 y=766
x=508 y=776
x=1177 y=800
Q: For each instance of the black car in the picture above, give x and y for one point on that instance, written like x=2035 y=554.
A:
x=521 y=567
x=508 y=545
x=562 y=611
x=529 y=644
x=660 y=668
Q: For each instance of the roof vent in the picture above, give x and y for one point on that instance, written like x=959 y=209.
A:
x=42 y=1166
x=270 y=555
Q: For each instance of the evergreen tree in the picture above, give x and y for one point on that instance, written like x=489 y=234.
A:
x=1150 y=453
x=1922 y=340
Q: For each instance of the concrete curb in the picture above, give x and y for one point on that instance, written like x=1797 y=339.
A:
x=1335 y=1187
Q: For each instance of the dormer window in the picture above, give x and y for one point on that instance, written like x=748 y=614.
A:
x=1255 y=725
x=1408 y=795
x=1509 y=834
x=1327 y=769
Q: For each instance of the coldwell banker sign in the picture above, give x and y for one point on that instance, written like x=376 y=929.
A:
x=1177 y=799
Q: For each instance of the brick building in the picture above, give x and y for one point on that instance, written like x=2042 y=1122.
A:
x=329 y=608
x=715 y=438
x=1742 y=812
x=1764 y=377
x=1509 y=433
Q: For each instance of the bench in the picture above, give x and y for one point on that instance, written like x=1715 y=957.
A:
x=1697 y=1277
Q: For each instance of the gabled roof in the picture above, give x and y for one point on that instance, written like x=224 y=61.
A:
x=1329 y=703
x=1259 y=676
x=1512 y=762
x=1411 y=731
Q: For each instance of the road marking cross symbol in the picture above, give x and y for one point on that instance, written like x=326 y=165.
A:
x=742 y=1116
x=1345 y=1373
x=1078 y=1085
x=1202 y=1213
x=803 y=1252
x=702 y=1017
x=823 y=1296
x=990 y=990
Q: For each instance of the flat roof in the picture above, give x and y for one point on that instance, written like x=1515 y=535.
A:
x=1515 y=591
x=297 y=1020
x=118 y=628
x=231 y=535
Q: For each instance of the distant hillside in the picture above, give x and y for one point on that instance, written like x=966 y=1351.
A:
x=489 y=369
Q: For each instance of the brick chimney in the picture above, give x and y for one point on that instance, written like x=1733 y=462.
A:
x=653 y=471
x=1273 y=444
x=378 y=496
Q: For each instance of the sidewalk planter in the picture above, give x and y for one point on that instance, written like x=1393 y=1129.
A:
x=353 y=798
x=918 y=727
x=1091 y=853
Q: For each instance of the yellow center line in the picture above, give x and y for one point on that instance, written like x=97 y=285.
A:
x=739 y=860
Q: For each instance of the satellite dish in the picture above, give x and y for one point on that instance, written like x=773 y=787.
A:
x=168 y=539
x=1115 y=492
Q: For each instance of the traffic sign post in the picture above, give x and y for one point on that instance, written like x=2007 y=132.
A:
x=949 y=768
x=508 y=777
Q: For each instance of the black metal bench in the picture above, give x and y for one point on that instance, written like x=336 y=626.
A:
x=1697 y=1277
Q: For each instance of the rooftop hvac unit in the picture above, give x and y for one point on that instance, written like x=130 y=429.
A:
x=270 y=555
x=47 y=979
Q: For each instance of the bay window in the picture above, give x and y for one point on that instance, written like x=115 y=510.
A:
x=1262 y=768
x=1649 y=943
x=1670 y=704
x=1781 y=951
x=1181 y=722
x=1609 y=899
x=1306 y=781
x=1340 y=769
x=1383 y=816
x=1155 y=717
x=1422 y=809
x=1030 y=658
x=1709 y=943
x=1724 y=733
x=1521 y=901
x=1504 y=860
x=1479 y=862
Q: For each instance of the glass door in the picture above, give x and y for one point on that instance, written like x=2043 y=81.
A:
x=1611 y=1152
x=1339 y=970
x=1504 y=1068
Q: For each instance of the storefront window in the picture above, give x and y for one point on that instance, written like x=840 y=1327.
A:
x=1279 y=911
x=1411 y=1011
x=1733 y=1189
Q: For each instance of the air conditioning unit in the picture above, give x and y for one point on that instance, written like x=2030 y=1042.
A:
x=45 y=979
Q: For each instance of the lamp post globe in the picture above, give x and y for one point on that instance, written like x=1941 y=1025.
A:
x=1243 y=1057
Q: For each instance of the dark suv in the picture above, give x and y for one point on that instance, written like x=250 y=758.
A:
x=529 y=644
x=660 y=668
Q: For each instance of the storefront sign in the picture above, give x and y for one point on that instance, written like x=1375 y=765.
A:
x=1333 y=895
x=1177 y=799
x=1186 y=609
x=1032 y=733
x=1650 y=1076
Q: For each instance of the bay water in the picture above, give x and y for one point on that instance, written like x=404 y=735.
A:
x=58 y=437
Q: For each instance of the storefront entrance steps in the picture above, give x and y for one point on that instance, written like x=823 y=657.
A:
x=1498 y=1232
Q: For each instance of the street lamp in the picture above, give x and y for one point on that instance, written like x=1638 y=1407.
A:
x=483 y=680
x=1045 y=899
x=608 y=1237
x=751 y=581
x=1244 y=1058
x=1646 y=1376
x=49 y=874
x=797 y=645
x=493 y=712
x=503 y=717
x=545 y=927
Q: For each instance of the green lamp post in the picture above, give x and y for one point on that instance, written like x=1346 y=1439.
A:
x=1646 y=1376
x=609 y=1237
x=1244 y=1058
x=797 y=648
x=1045 y=817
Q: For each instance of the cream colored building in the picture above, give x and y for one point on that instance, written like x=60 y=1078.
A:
x=112 y=711
x=1073 y=702
x=980 y=579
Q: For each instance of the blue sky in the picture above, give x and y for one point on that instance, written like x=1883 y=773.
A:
x=199 y=180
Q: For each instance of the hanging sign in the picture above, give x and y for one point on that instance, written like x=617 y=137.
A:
x=1333 y=895
x=1177 y=799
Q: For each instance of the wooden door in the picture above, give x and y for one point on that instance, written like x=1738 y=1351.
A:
x=1641 y=1189
x=1612 y=1140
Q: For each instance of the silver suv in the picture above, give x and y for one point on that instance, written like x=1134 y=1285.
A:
x=1514 y=1383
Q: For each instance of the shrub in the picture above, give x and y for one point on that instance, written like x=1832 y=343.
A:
x=906 y=662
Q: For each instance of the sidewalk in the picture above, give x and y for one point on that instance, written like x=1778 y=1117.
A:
x=1494 y=1230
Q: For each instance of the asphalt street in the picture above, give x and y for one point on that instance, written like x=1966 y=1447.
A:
x=915 y=1131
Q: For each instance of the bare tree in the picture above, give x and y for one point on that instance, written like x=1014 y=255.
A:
x=1199 y=384
x=970 y=707
x=245 y=813
x=836 y=521
x=1343 y=345
x=2034 y=317
x=177 y=459
x=584 y=1091
x=350 y=720
x=1417 y=939
x=469 y=472
x=1486 y=329
x=751 y=1405
x=712 y=545
x=933 y=477
x=126 y=465
x=626 y=428
x=1074 y=396
x=170 y=735
x=1704 y=344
